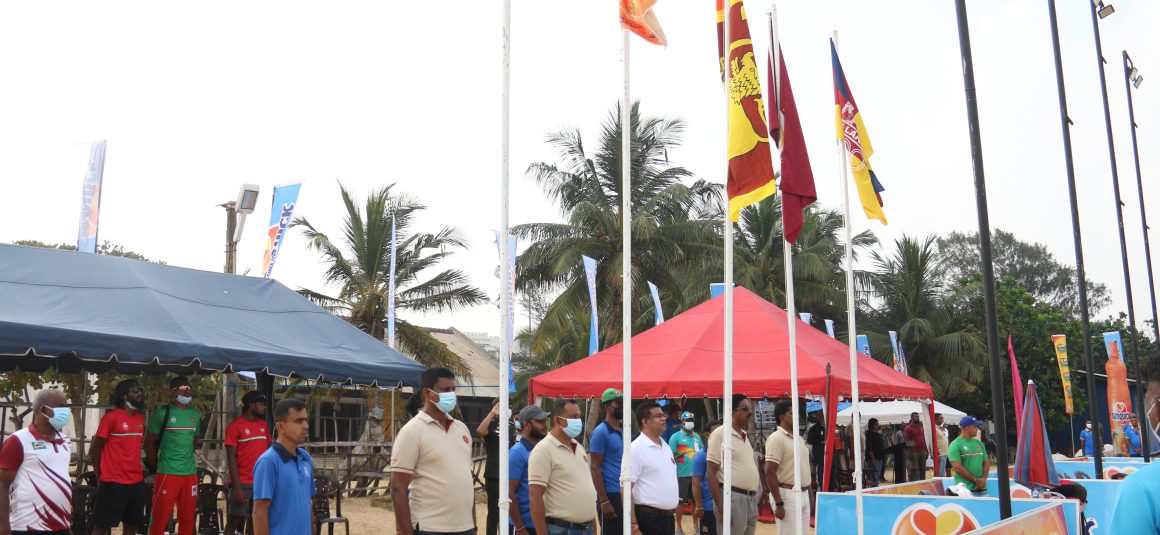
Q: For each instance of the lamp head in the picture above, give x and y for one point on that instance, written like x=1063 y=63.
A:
x=1137 y=81
x=1104 y=10
x=247 y=198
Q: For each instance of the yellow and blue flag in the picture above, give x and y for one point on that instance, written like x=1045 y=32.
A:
x=853 y=135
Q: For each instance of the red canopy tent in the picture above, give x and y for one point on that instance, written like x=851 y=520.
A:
x=684 y=356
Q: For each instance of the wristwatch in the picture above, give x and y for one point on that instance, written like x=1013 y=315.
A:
x=779 y=504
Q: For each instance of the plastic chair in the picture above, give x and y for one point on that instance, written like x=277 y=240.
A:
x=84 y=498
x=209 y=515
x=324 y=486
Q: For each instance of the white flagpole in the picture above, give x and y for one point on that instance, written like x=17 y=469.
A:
x=727 y=391
x=856 y=420
x=626 y=285
x=505 y=253
x=787 y=259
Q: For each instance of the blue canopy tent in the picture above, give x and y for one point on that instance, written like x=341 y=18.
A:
x=75 y=312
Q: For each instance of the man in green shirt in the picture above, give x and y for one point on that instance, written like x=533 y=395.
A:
x=170 y=443
x=685 y=445
x=968 y=457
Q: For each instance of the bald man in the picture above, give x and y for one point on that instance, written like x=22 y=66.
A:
x=35 y=493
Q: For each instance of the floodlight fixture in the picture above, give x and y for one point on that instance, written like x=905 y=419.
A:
x=1137 y=81
x=1104 y=10
x=247 y=198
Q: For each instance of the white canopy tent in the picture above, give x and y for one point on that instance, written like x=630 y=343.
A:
x=898 y=412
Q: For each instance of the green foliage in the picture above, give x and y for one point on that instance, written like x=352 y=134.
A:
x=106 y=248
x=360 y=265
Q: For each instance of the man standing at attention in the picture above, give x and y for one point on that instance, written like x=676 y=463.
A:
x=968 y=457
x=560 y=488
x=432 y=458
x=35 y=492
x=654 y=481
x=940 y=434
x=685 y=445
x=1085 y=440
x=534 y=422
x=246 y=439
x=1137 y=508
x=745 y=477
x=116 y=460
x=703 y=510
x=284 y=476
x=607 y=449
x=916 y=448
x=170 y=443
x=791 y=507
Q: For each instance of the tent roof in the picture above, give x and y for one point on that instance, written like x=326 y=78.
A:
x=897 y=412
x=684 y=357
x=75 y=311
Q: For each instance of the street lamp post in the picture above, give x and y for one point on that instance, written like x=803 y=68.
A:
x=236 y=212
x=1132 y=78
x=1099 y=11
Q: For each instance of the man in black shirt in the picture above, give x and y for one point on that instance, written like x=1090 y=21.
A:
x=488 y=430
x=816 y=438
x=875 y=454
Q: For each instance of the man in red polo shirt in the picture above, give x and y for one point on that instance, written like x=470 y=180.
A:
x=247 y=438
x=116 y=459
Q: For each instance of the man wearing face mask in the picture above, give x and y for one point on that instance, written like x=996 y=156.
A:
x=170 y=443
x=432 y=458
x=1137 y=508
x=607 y=443
x=116 y=460
x=1085 y=440
x=33 y=463
x=1132 y=437
x=685 y=445
x=560 y=490
x=533 y=422
x=247 y=438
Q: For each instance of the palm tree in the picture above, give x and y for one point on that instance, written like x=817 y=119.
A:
x=819 y=257
x=360 y=266
x=912 y=297
x=674 y=225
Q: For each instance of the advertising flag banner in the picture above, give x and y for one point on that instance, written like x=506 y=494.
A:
x=91 y=199
x=637 y=17
x=1119 y=399
x=590 y=276
x=391 y=288
x=806 y=317
x=894 y=348
x=864 y=344
x=1059 y=342
x=281 y=212
x=1016 y=386
x=830 y=328
x=511 y=311
x=656 y=296
x=750 y=164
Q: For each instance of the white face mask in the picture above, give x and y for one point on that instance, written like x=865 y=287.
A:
x=1089 y=426
x=688 y=426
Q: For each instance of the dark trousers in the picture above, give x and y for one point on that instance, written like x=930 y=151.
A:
x=491 y=484
x=709 y=523
x=421 y=532
x=651 y=524
x=612 y=525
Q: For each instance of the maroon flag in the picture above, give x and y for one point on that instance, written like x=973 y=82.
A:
x=785 y=130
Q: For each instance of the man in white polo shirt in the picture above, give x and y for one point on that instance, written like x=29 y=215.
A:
x=35 y=491
x=792 y=507
x=432 y=460
x=655 y=494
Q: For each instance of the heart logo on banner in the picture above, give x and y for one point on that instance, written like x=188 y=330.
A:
x=1111 y=471
x=926 y=519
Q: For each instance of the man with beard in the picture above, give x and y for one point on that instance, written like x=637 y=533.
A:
x=607 y=447
x=116 y=460
x=534 y=422
x=915 y=448
x=247 y=438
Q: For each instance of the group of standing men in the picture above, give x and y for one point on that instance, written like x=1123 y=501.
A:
x=275 y=482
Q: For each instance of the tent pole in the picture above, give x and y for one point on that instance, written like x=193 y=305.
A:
x=266 y=387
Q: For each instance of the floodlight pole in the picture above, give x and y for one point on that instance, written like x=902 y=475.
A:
x=1146 y=437
x=231 y=245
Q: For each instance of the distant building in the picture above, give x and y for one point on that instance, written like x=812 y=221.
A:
x=491 y=343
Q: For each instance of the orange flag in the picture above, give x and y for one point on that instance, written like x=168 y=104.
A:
x=637 y=17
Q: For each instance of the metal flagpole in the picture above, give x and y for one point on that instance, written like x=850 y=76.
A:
x=505 y=253
x=852 y=330
x=1139 y=397
x=1077 y=238
x=997 y=397
x=626 y=286
x=787 y=260
x=727 y=389
x=1140 y=384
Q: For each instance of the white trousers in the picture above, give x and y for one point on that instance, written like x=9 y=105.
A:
x=797 y=513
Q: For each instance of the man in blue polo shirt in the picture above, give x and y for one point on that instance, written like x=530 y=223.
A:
x=284 y=476
x=534 y=427
x=1137 y=507
x=605 y=448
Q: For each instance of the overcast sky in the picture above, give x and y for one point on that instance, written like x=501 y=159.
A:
x=195 y=99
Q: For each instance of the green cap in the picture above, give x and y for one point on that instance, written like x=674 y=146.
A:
x=610 y=395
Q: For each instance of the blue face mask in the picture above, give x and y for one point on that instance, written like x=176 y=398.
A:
x=184 y=400
x=574 y=428
x=446 y=401
x=60 y=417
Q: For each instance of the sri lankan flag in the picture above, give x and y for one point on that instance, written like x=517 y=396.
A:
x=852 y=133
x=750 y=167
